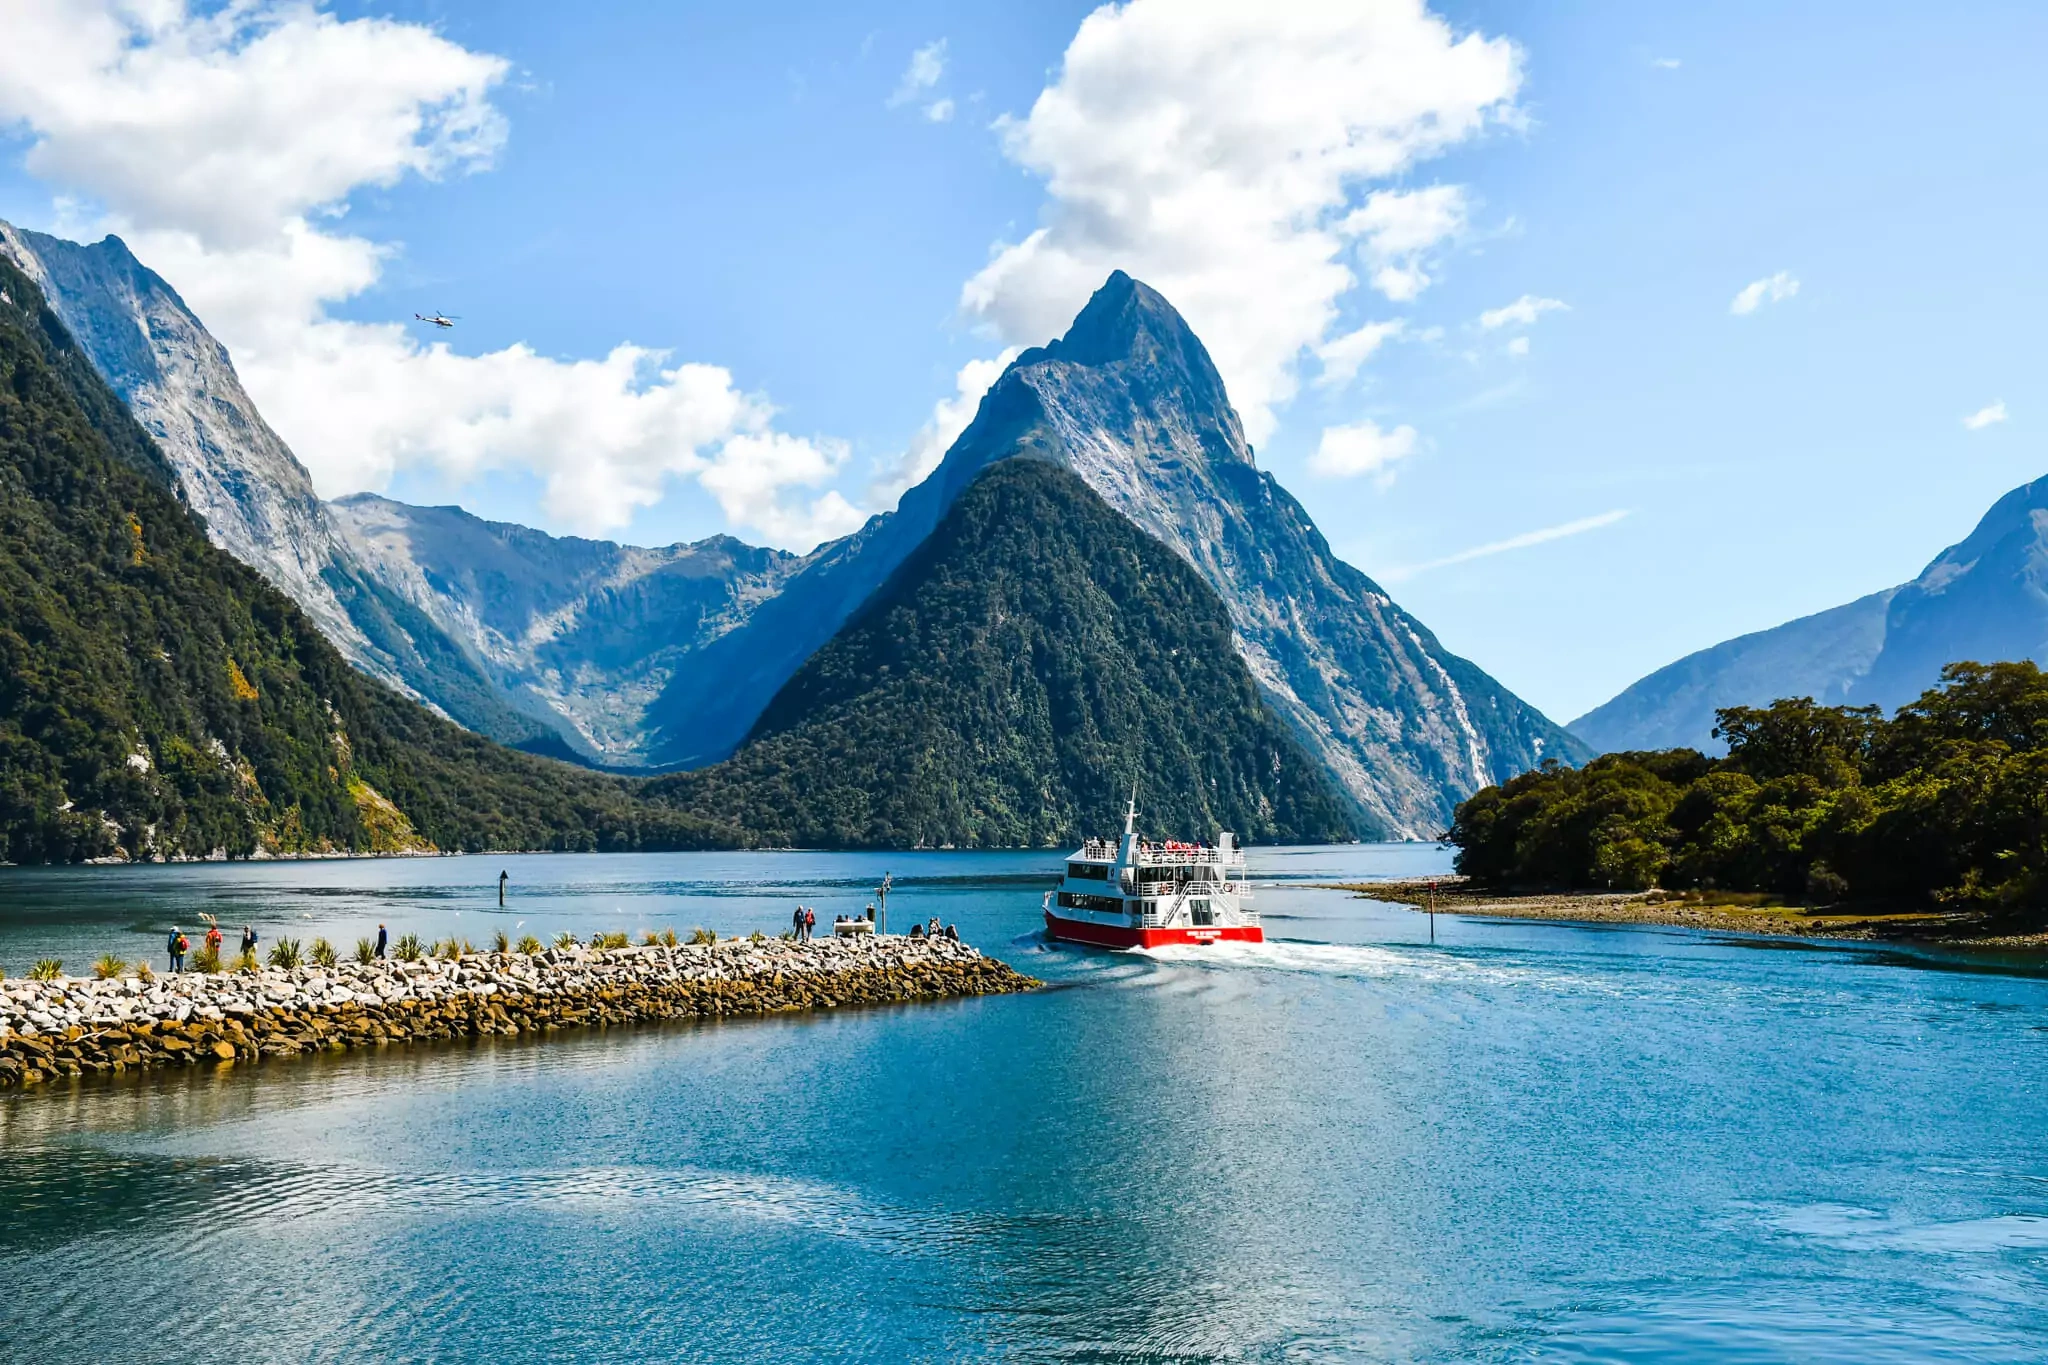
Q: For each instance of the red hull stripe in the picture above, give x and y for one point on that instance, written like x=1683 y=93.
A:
x=1117 y=936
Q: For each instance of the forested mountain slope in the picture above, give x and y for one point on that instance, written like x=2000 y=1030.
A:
x=255 y=498
x=1028 y=663
x=159 y=698
x=1130 y=401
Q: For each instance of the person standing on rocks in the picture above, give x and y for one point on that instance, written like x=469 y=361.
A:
x=382 y=938
x=176 y=946
x=810 y=923
x=248 y=940
x=213 y=938
x=796 y=924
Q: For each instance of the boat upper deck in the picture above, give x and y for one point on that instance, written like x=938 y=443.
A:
x=1166 y=854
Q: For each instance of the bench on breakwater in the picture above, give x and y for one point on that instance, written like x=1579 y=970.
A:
x=74 y=1026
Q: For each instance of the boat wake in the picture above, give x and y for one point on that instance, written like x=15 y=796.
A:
x=1376 y=962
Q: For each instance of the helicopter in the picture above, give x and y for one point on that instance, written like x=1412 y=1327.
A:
x=438 y=319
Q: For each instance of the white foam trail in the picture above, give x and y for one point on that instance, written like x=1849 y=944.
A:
x=1371 y=962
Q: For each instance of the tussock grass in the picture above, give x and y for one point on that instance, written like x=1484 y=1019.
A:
x=702 y=935
x=108 y=967
x=565 y=939
x=322 y=952
x=409 y=949
x=46 y=969
x=500 y=943
x=205 y=958
x=246 y=962
x=366 y=951
x=285 y=953
x=529 y=945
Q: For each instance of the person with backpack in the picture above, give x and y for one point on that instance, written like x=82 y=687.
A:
x=213 y=938
x=248 y=941
x=177 y=946
x=810 y=923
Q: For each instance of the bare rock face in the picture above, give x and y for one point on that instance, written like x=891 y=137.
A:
x=256 y=499
x=1131 y=402
x=591 y=630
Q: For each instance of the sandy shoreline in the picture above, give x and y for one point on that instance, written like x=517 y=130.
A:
x=1453 y=895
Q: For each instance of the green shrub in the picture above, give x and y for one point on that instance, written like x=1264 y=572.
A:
x=621 y=939
x=285 y=953
x=46 y=969
x=529 y=945
x=366 y=951
x=565 y=939
x=702 y=935
x=323 y=954
x=650 y=939
x=143 y=973
x=246 y=962
x=409 y=949
x=500 y=943
x=668 y=937
x=447 y=949
x=206 y=958
x=108 y=967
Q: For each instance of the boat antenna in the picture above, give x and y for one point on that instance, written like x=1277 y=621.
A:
x=1131 y=818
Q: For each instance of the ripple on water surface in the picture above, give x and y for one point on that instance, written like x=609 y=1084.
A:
x=1522 y=1142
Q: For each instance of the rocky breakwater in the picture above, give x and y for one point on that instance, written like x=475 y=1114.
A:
x=71 y=1026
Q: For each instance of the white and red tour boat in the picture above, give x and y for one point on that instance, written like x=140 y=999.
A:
x=1136 y=894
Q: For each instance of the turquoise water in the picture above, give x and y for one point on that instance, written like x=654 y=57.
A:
x=1524 y=1142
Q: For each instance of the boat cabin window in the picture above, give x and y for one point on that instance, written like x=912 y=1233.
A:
x=1101 y=905
x=1089 y=872
x=1198 y=910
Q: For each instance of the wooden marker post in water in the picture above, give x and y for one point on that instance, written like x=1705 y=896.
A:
x=502 y=878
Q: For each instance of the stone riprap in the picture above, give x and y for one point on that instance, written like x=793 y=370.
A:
x=73 y=1026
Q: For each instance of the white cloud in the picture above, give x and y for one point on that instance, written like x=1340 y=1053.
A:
x=1523 y=312
x=1520 y=542
x=223 y=145
x=1219 y=151
x=1773 y=289
x=1397 y=229
x=939 y=111
x=1988 y=415
x=1342 y=355
x=927 y=65
x=950 y=417
x=1519 y=346
x=1362 y=448
x=1666 y=63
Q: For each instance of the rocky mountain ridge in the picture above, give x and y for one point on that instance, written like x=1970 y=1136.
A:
x=254 y=497
x=1129 y=400
x=1984 y=599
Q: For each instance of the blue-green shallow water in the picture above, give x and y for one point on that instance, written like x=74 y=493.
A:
x=1527 y=1142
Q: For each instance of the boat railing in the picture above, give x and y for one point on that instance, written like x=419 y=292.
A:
x=1154 y=856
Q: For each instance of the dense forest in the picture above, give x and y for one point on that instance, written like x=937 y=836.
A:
x=1944 y=804
x=158 y=698
x=1031 y=661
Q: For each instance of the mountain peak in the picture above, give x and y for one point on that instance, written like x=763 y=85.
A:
x=1128 y=320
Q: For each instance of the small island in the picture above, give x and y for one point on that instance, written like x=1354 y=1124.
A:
x=1823 y=821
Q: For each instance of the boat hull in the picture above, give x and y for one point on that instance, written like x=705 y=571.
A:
x=1120 y=936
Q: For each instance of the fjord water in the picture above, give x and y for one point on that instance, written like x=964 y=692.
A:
x=1524 y=1142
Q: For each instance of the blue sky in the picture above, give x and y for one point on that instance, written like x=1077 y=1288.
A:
x=740 y=188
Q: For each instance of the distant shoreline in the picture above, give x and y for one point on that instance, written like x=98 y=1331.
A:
x=1455 y=895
